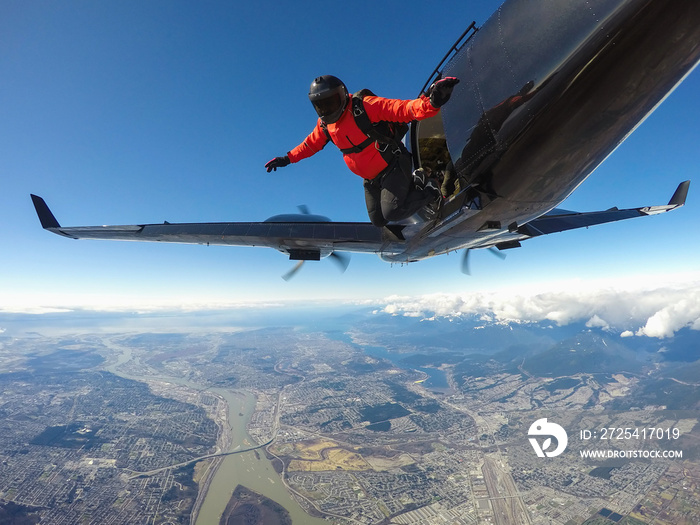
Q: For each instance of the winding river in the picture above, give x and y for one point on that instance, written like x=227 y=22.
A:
x=251 y=469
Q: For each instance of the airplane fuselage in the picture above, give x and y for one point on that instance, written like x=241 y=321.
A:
x=548 y=90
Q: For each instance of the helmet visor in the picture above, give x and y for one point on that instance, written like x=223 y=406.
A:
x=330 y=106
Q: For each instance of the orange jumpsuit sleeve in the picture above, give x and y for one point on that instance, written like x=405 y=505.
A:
x=312 y=144
x=393 y=110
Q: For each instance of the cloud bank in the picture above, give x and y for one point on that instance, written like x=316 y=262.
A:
x=649 y=311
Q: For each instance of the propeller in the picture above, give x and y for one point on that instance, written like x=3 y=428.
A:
x=465 y=258
x=291 y=273
x=342 y=260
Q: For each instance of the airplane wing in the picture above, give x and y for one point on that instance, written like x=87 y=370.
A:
x=306 y=238
x=562 y=220
x=311 y=237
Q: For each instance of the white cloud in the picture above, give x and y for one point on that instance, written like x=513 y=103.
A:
x=630 y=308
x=683 y=310
x=48 y=303
x=597 y=322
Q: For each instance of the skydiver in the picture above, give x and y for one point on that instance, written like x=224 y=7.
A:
x=363 y=126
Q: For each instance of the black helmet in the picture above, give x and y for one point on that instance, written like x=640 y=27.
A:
x=329 y=96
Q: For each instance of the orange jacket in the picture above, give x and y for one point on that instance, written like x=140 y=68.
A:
x=345 y=133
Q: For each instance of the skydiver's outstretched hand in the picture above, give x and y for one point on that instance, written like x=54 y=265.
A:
x=440 y=91
x=277 y=162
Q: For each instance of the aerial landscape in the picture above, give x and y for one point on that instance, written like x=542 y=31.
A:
x=344 y=421
x=223 y=371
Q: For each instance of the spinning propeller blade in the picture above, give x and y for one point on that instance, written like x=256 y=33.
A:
x=342 y=260
x=291 y=273
x=465 y=258
x=465 y=262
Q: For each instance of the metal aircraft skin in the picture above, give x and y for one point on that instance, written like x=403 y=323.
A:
x=547 y=92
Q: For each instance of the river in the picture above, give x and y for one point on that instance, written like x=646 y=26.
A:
x=248 y=469
x=254 y=472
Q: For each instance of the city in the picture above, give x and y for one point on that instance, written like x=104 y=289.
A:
x=132 y=428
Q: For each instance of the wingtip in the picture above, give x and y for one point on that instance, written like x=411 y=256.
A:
x=47 y=219
x=680 y=194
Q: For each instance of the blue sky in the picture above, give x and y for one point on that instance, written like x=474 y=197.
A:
x=133 y=112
